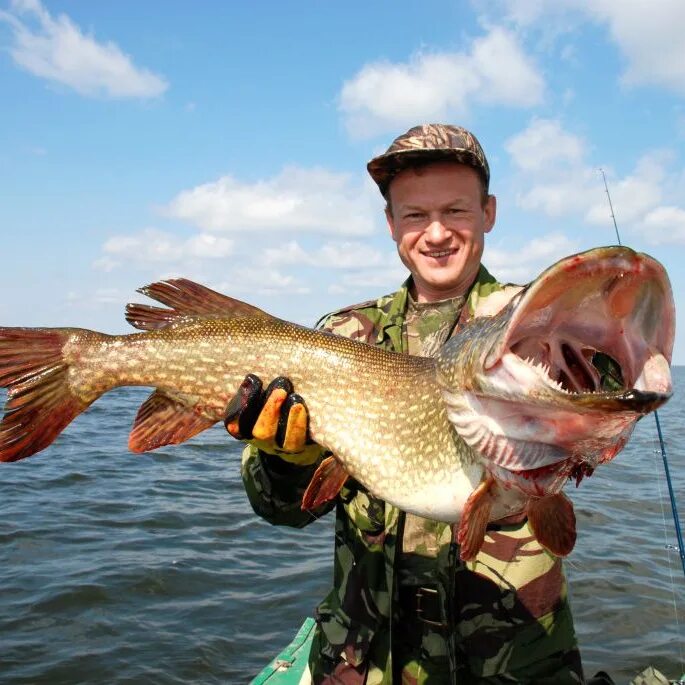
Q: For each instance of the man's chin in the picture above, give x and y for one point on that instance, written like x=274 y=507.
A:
x=446 y=279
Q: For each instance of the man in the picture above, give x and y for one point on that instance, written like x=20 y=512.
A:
x=404 y=608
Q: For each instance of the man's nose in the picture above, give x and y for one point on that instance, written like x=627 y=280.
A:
x=436 y=231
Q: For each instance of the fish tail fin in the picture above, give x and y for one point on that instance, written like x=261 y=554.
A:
x=40 y=403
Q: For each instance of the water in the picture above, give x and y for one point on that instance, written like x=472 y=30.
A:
x=123 y=568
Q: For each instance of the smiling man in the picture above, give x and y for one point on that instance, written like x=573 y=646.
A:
x=438 y=215
x=404 y=608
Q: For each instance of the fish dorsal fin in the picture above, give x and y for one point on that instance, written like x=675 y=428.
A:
x=325 y=484
x=553 y=522
x=164 y=420
x=184 y=300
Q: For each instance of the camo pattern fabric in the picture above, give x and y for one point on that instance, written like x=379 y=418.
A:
x=506 y=613
x=429 y=141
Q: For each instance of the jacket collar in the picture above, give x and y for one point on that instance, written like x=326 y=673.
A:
x=390 y=332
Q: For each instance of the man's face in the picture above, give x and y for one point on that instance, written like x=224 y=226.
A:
x=437 y=218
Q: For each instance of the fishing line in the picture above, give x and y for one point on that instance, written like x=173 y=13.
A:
x=674 y=508
x=611 y=206
x=676 y=519
x=668 y=547
x=680 y=547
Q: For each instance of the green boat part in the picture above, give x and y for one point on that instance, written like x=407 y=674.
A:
x=289 y=666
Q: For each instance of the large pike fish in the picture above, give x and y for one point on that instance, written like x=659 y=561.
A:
x=493 y=426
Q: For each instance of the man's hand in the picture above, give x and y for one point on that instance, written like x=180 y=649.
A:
x=274 y=420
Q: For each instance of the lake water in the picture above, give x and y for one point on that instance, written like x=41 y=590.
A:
x=122 y=568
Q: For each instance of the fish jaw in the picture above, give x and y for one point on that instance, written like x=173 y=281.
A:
x=611 y=300
x=520 y=387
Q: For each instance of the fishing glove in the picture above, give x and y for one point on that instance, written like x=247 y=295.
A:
x=274 y=420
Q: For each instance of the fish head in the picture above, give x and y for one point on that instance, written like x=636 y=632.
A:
x=553 y=384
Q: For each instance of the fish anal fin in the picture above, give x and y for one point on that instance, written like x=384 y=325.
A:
x=185 y=300
x=553 y=522
x=325 y=484
x=163 y=420
x=474 y=520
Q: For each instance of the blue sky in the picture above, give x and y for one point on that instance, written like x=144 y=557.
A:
x=227 y=142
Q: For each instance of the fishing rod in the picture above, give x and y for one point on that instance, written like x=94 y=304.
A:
x=667 y=470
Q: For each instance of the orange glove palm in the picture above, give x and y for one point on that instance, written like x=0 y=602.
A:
x=275 y=420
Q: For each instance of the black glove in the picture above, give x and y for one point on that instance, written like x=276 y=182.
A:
x=274 y=420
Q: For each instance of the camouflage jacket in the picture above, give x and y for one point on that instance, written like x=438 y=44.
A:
x=507 y=613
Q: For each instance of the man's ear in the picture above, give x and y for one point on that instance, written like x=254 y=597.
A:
x=490 y=211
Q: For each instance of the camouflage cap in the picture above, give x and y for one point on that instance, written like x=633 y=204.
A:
x=429 y=142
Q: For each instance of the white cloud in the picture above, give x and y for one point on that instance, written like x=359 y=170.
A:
x=527 y=262
x=260 y=282
x=440 y=86
x=106 y=264
x=57 y=50
x=633 y=195
x=343 y=255
x=665 y=225
x=208 y=246
x=152 y=246
x=648 y=34
x=557 y=180
x=99 y=296
x=290 y=253
x=297 y=199
x=379 y=280
x=543 y=145
x=569 y=192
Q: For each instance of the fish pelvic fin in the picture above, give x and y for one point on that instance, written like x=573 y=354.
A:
x=164 y=420
x=553 y=522
x=474 y=520
x=185 y=300
x=325 y=484
x=40 y=403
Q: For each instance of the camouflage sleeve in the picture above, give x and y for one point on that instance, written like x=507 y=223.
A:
x=360 y=322
x=340 y=324
x=275 y=488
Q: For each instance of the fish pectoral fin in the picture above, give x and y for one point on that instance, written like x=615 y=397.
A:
x=186 y=300
x=325 y=484
x=553 y=522
x=163 y=420
x=474 y=520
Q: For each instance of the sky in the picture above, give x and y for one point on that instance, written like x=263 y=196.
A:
x=227 y=142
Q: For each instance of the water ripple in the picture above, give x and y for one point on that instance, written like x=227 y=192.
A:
x=124 y=568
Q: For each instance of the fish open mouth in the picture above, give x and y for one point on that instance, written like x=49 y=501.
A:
x=579 y=356
x=597 y=324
